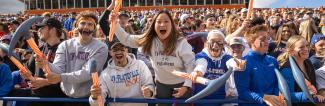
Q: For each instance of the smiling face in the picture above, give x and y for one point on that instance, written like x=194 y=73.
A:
x=320 y=48
x=300 y=49
x=163 y=26
x=210 y=23
x=44 y=33
x=86 y=28
x=261 y=43
x=119 y=53
x=215 y=45
x=286 y=33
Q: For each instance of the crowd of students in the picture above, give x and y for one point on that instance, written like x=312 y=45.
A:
x=149 y=45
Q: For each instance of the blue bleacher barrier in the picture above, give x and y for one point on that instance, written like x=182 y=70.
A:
x=124 y=100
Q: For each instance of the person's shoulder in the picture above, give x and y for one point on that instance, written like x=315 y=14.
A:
x=314 y=59
x=67 y=42
x=99 y=44
x=271 y=58
x=4 y=66
x=106 y=71
x=201 y=55
x=227 y=56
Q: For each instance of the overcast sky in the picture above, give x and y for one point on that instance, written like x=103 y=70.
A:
x=13 y=6
x=288 y=3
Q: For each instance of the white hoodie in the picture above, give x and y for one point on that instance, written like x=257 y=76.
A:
x=125 y=82
x=182 y=59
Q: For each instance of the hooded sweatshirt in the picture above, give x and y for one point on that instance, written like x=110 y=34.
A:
x=182 y=59
x=125 y=82
x=71 y=63
x=257 y=79
x=211 y=68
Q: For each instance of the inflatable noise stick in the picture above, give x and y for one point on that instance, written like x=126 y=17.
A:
x=283 y=87
x=212 y=85
x=93 y=69
x=23 y=32
x=117 y=7
x=14 y=59
x=300 y=79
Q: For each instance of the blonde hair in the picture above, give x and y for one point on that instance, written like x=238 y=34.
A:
x=308 y=29
x=230 y=24
x=283 y=58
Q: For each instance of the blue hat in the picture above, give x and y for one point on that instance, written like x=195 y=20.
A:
x=317 y=37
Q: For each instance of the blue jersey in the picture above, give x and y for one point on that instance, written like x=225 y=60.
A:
x=215 y=69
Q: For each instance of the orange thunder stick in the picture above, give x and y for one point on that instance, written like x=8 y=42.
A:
x=21 y=67
x=117 y=7
x=12 y=57
x=92 y=68
x=38 y=52
x=250 y=9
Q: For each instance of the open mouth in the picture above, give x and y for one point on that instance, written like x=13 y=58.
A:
x=162 y=31
x=119 y=56
x=216 y=50
x=86 y=32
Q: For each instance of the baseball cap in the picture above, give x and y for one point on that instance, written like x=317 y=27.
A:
x=52 y=22
x=114 y=42
x=236 y=40
x=184 y=16
x=317 y=37
x=123 y=15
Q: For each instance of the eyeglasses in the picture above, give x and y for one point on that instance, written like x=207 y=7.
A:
x=86 y=23
x=212 y=43
x=237 y=47
x=116 y=49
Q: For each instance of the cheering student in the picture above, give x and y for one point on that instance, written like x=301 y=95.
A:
x=167 y=50
x=298 y=48
x=69 y=66
x=211 y=63
x=124 y=77
x=258 y=83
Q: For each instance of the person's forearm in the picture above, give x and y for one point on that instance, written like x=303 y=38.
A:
x=103 y=23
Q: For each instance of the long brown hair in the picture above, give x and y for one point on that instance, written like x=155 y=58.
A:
x=283 y=58
x=149 y=35
x=230 y=24
x=280 y=32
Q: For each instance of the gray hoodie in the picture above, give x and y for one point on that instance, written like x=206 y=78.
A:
x=125 y=82
x=71 y=63
x=182 y=59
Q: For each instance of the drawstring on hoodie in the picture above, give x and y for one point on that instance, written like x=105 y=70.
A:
x=115 y=72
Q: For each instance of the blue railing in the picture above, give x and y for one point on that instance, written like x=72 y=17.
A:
x=124 y=100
